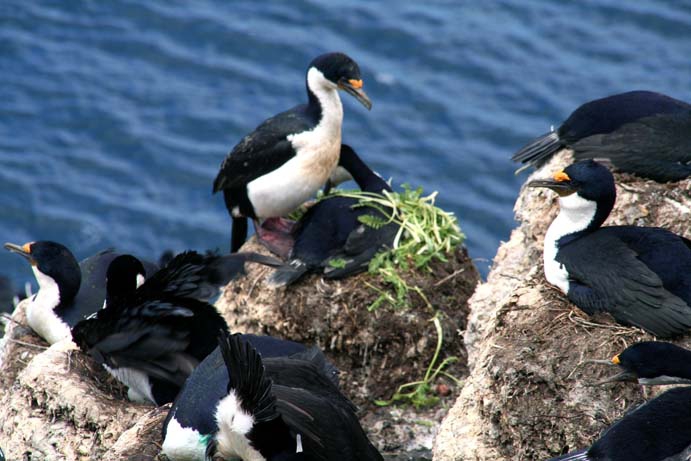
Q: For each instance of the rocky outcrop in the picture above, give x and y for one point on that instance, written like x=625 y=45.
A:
x=528 y=396
x=57 y=404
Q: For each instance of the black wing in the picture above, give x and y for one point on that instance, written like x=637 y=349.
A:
x=327 y=429
x=607 y=274
x=164 y=338
x=208 y=384
x=363 y=243
x=263 y=150
x=657 y=147
x=247 y=379
x=198 y=276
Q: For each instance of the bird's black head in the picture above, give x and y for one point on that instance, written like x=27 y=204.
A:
x=342 y=71
x=651 y=359
x=592 y=181
x=53 y=260
x=125 y=274
x=653 y=362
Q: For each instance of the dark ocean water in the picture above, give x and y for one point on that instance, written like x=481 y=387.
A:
x=114 y=116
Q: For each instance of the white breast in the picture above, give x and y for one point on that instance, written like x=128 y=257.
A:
x=575 y=214
x=40 y=314
x=286 y=188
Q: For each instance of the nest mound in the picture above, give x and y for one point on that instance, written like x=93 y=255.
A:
x=528 y=395
x=56 y=404
x=376 y=351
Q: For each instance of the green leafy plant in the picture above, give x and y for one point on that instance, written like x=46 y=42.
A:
x=419 y=393
x=425 y=233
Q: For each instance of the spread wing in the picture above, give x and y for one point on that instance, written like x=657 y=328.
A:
x=193 y=275
x=607 y=273
x=263 y=150
x=657 y=147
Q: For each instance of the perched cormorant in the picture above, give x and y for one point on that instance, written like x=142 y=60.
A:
x=191 y=422
x=67 y=291
x=287 y=158
x=261 y=419
x=151 y=337
x=651 y=363
x=640 y=132
x=659 y=430
x=330 y=230
x=640 y=275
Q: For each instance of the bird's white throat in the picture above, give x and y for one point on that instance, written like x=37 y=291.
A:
x=575 y=214
x=40 y=314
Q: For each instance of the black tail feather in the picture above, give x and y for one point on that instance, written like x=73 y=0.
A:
x=246 y=376
x=539 y=150
x=288 y=273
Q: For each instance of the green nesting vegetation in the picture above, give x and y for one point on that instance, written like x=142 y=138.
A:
x=425 y=233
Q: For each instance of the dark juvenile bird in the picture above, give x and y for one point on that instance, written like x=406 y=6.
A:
x=288 y=157
x=191 y=422
x=331 y=230
x=659 y=430
x=651 y=363
x=640 y=132
x=640 y=275
x=67 y=291
x=261 y=419
x=151 y=337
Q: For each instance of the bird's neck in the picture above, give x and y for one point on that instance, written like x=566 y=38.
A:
x=325 y=104
x=365 y=178
x=40 y=312
x=577 y=216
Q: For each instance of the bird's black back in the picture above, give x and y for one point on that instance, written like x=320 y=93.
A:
x=610 y=113
x=638 y=274
x=657 y=430
x=656 y=147
x=196 y=403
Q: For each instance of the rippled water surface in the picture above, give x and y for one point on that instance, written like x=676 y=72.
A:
x=114 y=116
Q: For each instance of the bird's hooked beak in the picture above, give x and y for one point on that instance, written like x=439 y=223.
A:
x=560 y=183
x=354 y=88
x=24 y=250
x=620 y=377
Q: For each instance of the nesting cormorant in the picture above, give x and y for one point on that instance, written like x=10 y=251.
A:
x=330 y=230
x=67 y=291
x=191 y=422
x=640 y=275
x=152 y=337
x=640 y=132
x=651 y=363
x=260 y=419
x=287 y=158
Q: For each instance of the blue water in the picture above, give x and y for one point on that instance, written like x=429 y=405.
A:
x=114 y=116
